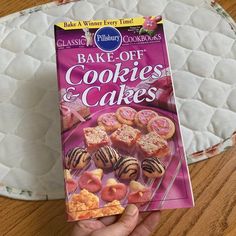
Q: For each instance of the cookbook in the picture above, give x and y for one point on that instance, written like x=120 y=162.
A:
x=120 y=132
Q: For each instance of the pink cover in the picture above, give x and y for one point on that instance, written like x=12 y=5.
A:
x=135 y=73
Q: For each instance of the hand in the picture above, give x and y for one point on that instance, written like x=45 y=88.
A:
x=130 y=223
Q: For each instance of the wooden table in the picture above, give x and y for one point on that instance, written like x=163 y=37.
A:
x=214 y=186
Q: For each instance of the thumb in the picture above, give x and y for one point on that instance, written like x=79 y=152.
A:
x=124 y=226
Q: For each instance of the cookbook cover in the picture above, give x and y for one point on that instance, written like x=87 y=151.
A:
x=120 y=133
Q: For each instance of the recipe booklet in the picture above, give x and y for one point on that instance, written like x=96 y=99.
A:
x=120 y=132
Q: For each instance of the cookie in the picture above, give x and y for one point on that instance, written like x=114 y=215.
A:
x=127 y=168
x=91 y=180
x=163 y=126
x=139 y=193
x=126 y=115
x=109 y=121
x=105 y=157
x=153 y=167
x=113 y=191
x=70 y=183
x=143 y=117
x=77 y=158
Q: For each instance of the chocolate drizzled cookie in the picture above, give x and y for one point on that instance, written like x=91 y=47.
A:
x=153 y=167
x=77 y=158
x=127 y=168
x=105 y=157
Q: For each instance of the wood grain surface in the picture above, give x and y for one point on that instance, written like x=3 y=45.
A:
x=214 y=186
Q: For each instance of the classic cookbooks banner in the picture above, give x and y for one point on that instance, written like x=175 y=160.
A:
x=121 y=138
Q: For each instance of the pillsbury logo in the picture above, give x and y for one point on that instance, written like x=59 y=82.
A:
x=108 y=39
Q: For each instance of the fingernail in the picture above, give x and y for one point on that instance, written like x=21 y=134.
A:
x=131 y=210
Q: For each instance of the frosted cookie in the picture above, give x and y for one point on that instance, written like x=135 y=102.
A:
x=153 y=145
x=127 y=168
x=139 y=194
x=143 y=117
x=153 y=167
x=126 y=115
x=91 y=180
x=105 y=157
x=109 y=121
x=95 y=137
x=77 y=158
x=113 y=191
x=162 y=126
x=125 y=137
